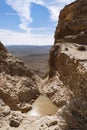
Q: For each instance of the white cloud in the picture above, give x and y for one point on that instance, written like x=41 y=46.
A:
x=17 y=38
x=32 y=36
x=55 y=6
x=23 y=9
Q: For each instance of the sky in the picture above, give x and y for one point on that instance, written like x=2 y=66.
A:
x=29 y=22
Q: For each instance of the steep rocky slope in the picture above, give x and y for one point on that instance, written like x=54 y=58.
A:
x=66 y=84
x=17 y=82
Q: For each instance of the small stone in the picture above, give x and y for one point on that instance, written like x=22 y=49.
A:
x=52 y=123
x=24 y=107
x=42 y=125
x=6 y=110
x=14 y=123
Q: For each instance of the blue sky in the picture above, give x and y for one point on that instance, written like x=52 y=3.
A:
x=29 y=22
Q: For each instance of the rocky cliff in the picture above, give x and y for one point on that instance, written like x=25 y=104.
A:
x=71 y=66
x=73 y=22
x=69 y=56
x=66 y=84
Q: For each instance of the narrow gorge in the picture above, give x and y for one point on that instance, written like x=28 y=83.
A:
x=64 y=90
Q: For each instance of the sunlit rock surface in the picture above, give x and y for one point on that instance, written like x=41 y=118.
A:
x=72 y=21
x=65 y=85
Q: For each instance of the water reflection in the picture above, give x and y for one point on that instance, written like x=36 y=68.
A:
x=43 y=106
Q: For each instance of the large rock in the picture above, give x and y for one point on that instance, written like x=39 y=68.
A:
x=71 y=66
x=73 y=72
x=72 y=20
x=16 y=90
x=55 y=89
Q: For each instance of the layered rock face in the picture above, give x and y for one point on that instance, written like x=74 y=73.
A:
x=69 y=56
x=73 y=21
x=71 y=65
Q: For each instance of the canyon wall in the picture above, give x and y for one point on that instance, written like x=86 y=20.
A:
x=69 y=56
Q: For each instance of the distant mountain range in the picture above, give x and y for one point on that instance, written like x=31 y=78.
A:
x=36 y=57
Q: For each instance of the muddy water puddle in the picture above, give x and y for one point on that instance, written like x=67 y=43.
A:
x=43 y=106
